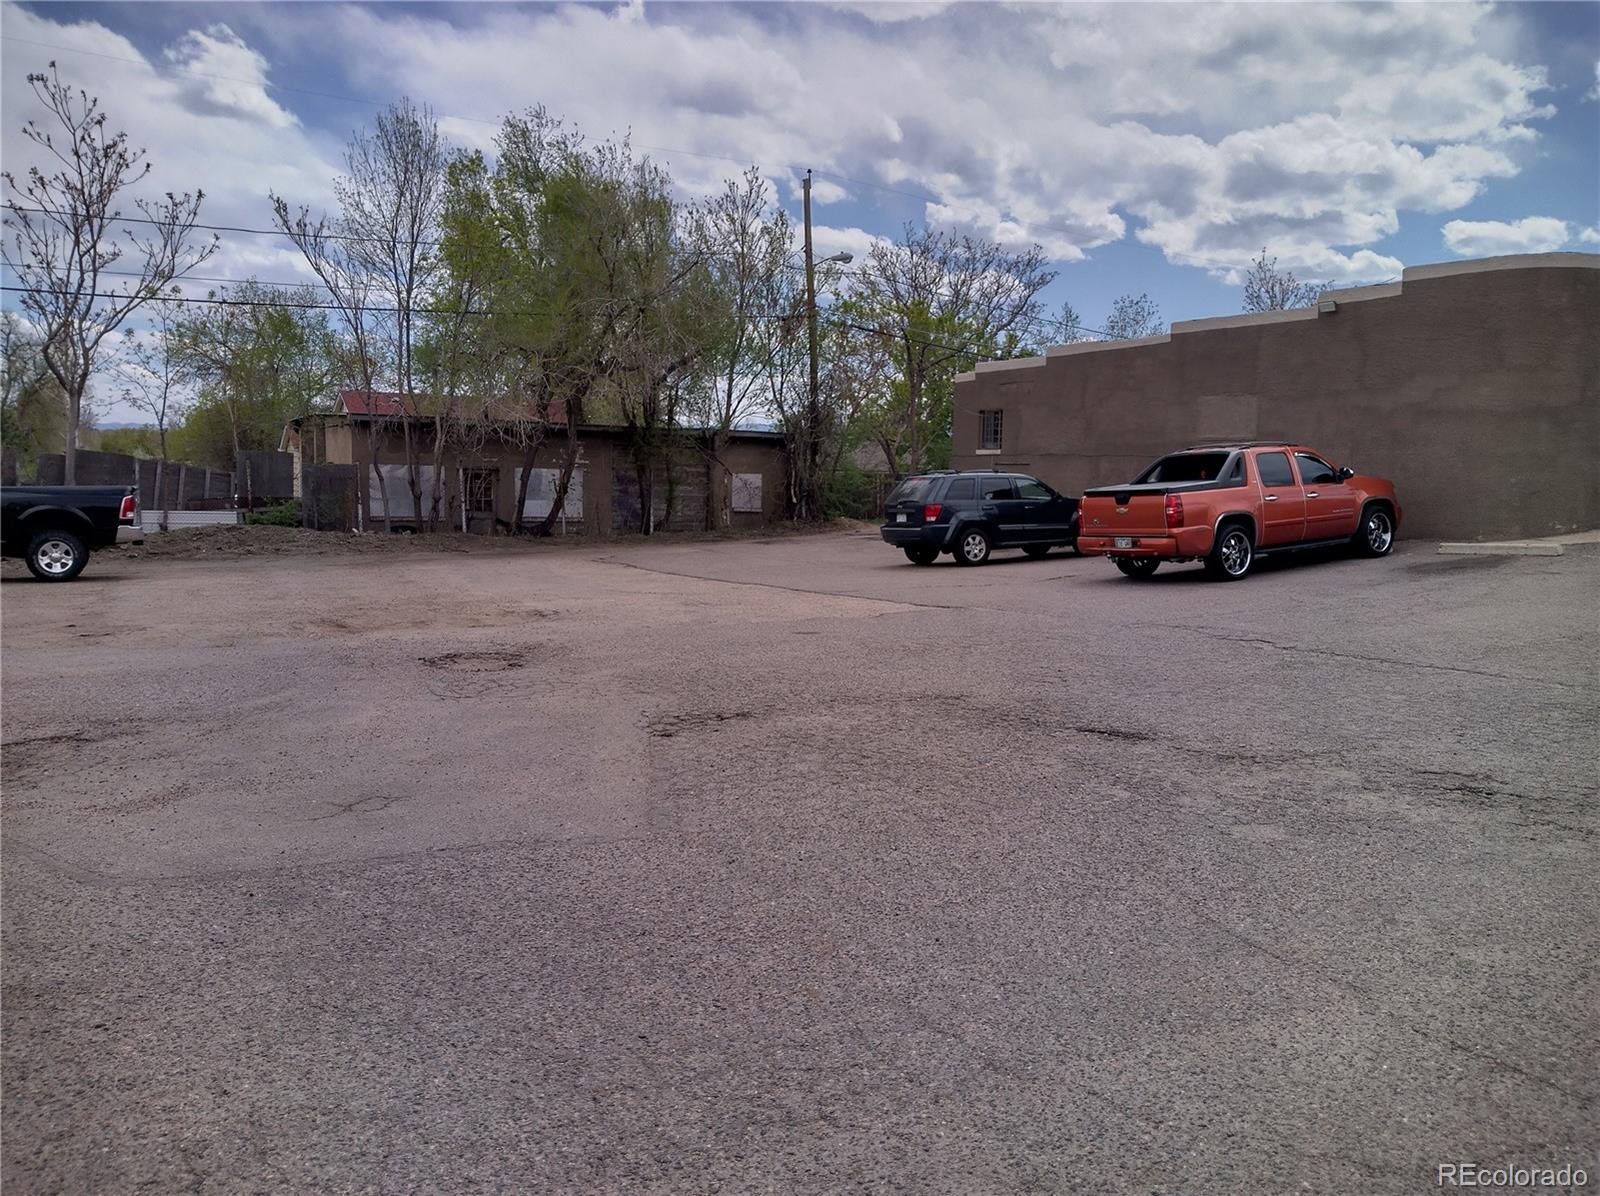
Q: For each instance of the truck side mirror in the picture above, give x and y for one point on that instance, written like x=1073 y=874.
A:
x=1346 y=472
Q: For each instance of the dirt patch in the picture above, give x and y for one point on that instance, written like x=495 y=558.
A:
x=229 y=543
x=477 y=662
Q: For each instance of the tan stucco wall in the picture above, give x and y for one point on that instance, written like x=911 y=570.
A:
x=1474 y=386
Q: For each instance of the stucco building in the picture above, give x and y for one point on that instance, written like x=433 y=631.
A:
x=743 y=485
x=1474 y=385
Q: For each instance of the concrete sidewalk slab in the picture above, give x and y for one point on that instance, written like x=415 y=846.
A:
x=1504 y=548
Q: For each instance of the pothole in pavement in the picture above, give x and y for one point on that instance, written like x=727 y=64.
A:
x=669 y=726
x=477 y=662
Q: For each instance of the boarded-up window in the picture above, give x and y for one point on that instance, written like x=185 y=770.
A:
x=747 y=492
x=397 y=480
x=542 y=485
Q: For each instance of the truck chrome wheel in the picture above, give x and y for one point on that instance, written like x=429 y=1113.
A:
x=1235 y=553
x=55 y=557
x=1380 y=532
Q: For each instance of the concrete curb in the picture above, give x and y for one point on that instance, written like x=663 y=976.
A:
x=1504 y=548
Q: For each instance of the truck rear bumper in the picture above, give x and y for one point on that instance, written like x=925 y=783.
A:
x=130 y=533
x=1186 y=543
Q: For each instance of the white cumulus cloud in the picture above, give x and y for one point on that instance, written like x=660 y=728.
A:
x=1490 y=238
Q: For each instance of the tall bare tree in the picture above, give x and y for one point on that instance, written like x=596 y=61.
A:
x=157 y=375
x=63 y=238
x=392 y=199
x=1132 y=317
x=328 y=249
x=746 y=244
x=1267 y=288
x=380 y=262
x=1068 y=327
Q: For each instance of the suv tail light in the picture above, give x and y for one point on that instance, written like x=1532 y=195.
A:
x=1174 y=510
x=129 y=502
x=931 y=512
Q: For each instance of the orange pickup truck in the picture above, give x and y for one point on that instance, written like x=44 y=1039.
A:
x=1228 y=504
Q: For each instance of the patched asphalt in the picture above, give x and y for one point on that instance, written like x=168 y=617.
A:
x=786 y=866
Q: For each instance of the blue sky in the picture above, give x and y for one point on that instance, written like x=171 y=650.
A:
x=1149 y=148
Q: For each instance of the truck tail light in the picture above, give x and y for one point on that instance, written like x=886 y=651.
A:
x=931 y=512
x=1174 y=510
x=129 y=502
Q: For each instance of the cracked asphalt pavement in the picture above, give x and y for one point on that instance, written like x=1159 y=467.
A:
x=785 y=866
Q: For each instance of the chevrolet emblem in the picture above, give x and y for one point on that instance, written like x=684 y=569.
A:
x=1122 y=510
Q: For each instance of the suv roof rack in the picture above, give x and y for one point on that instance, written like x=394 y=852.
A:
x=1236 y=444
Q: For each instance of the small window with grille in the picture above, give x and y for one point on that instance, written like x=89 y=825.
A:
x=480 y=487
x=991 y=423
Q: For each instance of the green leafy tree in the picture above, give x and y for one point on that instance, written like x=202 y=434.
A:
x=33 y=407
x=937 y=302
x=598 y=299
x=260 y=356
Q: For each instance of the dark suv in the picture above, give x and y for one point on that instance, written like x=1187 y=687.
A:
x=968 y=514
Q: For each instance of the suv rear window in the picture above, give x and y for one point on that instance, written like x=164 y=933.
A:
x=960 y=488
x=1185 y=467
x=912 y=490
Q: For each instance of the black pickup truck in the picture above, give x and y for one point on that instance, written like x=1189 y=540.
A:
x=55 y=528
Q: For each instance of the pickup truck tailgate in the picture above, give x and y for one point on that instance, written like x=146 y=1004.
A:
x=1137 y=515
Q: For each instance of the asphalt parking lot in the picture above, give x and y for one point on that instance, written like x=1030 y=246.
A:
x=785 y=866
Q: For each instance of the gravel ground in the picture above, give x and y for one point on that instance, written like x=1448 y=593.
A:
x=781 y=865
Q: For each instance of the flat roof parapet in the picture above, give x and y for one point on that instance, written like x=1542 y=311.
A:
x=1333 y=298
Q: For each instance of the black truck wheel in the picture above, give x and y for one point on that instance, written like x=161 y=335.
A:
x=56 y=556
x=919 y=554
x=1138 y=567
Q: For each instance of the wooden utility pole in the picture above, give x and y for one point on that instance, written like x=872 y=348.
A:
x=813 y=502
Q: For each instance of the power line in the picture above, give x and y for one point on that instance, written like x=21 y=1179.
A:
x=480 y=120
x=1033 y=322
x=212 y=301
x=215 y=302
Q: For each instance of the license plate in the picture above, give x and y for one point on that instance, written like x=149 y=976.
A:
x=900 y=518
x=1123 y=542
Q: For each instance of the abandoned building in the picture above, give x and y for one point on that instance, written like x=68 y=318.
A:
x=482 y=474
x=1474 y=386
